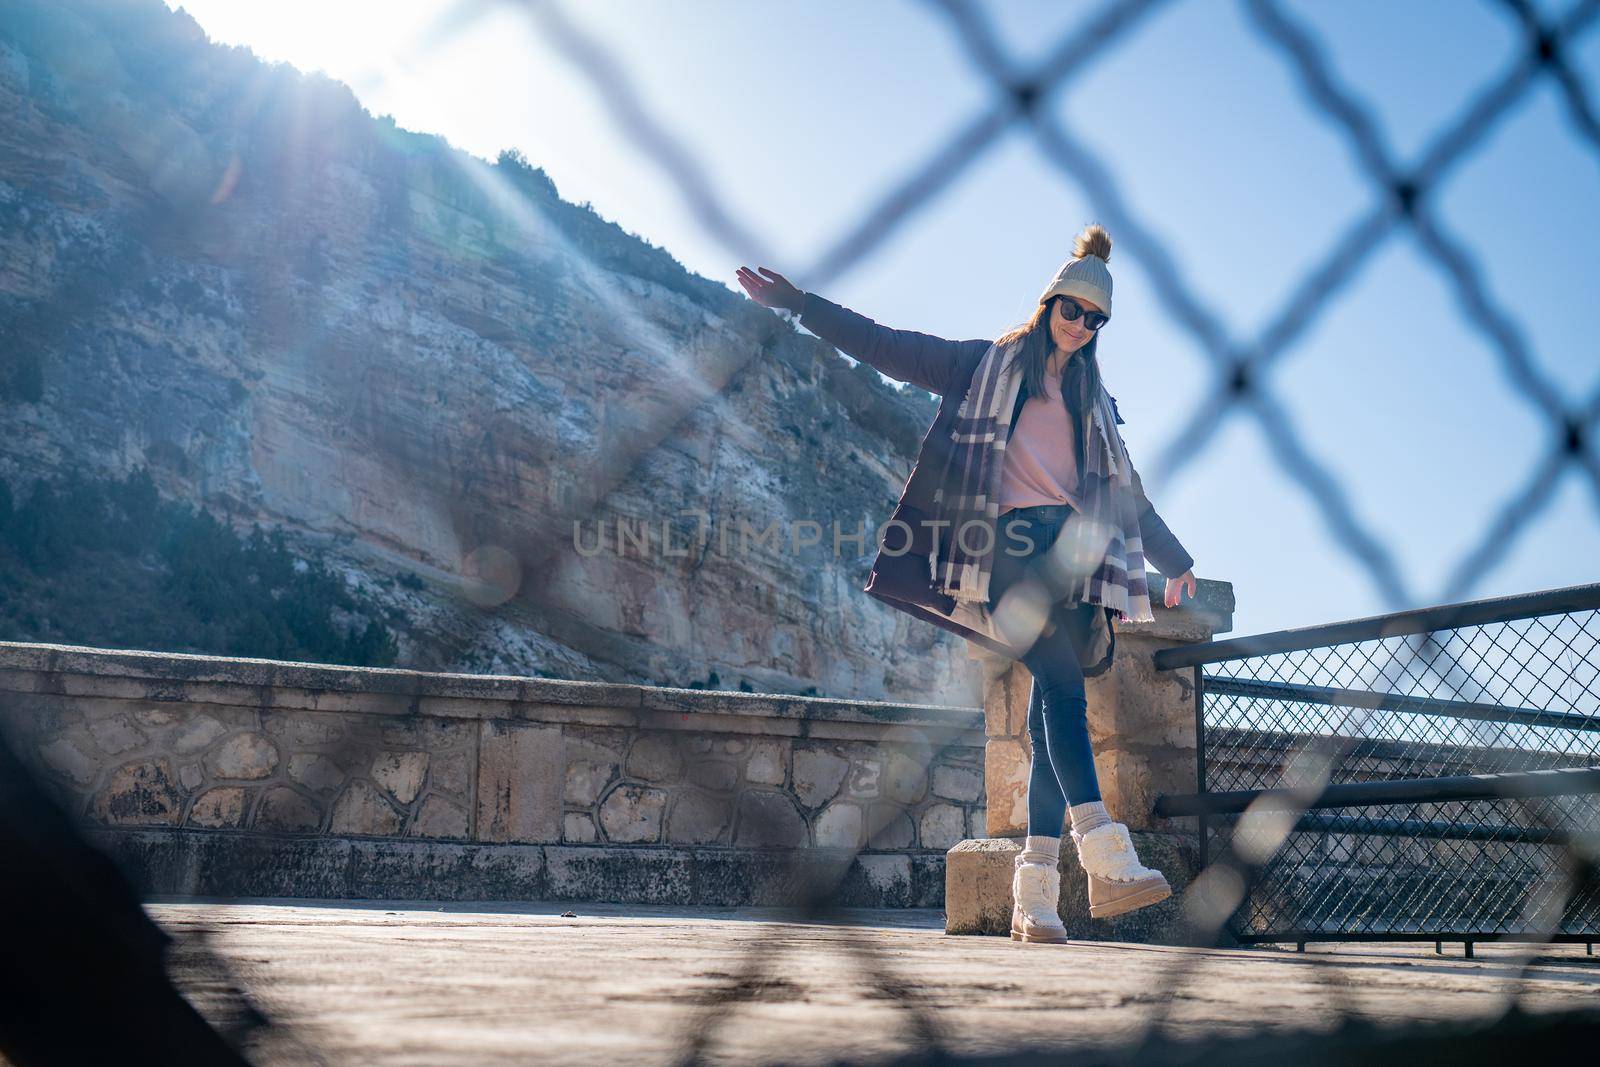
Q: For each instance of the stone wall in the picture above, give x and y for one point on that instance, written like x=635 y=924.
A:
x=223 y=776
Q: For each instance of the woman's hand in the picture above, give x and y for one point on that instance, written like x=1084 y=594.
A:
x=773 y=291
x=1175 y=588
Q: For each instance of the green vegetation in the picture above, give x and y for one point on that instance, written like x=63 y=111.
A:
x=109 y=563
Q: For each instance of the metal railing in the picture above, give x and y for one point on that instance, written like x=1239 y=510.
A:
x=1423 y=775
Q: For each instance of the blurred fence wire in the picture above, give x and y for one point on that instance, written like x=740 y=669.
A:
x=1403 y=195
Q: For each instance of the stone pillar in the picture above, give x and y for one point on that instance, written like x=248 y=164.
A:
x=1141 y=724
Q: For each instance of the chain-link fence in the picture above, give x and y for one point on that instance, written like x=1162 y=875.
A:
x=1403 y=198
x=1268 y=858
x=1291 y=868
x=1445 y=764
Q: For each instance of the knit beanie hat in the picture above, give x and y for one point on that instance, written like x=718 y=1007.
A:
x=1086 y=274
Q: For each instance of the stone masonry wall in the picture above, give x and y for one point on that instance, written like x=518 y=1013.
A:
x=172 y=749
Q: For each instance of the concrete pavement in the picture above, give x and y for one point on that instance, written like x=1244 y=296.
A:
x=422 y=983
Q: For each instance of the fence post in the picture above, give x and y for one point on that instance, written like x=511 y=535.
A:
x=1143 y=726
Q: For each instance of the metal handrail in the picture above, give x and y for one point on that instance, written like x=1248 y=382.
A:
x=1455 y=809
x=1427 y=829
x=1560 y=781
x=1334 y=696
x=1373 y=627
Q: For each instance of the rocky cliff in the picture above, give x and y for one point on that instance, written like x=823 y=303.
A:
x=430 y=373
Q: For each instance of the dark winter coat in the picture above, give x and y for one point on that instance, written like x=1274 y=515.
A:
x=900 y=576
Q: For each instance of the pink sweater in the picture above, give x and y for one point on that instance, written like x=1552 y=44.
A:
x=1040 y=465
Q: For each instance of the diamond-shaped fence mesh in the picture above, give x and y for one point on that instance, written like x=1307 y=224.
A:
x=1471 y=700
x=1507 y=697
x=1474 y=706
x=1404 y=194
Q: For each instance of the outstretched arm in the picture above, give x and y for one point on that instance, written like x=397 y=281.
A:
x=926 y=361
x=923 y=360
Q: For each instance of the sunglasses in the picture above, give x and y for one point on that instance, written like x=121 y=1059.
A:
x=1071 y=309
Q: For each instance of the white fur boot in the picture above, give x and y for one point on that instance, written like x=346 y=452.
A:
x=1117 y=881
x=1035 y=890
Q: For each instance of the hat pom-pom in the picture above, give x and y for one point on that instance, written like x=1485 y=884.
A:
x=1093 y=241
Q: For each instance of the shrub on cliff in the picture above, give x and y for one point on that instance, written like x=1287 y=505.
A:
x=107 y=562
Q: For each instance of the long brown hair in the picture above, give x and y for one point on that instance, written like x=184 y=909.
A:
x=1038 y=343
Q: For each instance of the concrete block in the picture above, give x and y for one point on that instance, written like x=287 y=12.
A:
x=977 y=885
x=243 y=865
x=730 y=877
x=618 y=875
x=437 y=870
x=881 y=878
x=977 y=896
x=519 y=782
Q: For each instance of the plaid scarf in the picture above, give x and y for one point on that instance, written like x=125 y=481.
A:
x=1098 y=558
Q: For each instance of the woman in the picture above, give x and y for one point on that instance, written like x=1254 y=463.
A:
x=1023 y=528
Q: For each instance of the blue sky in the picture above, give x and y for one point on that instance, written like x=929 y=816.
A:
x=803 y=116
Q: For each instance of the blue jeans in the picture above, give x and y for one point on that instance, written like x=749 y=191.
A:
x=1063 y=763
